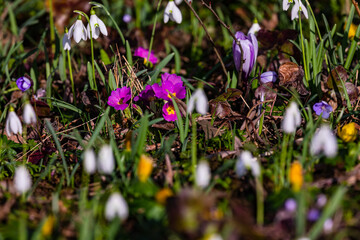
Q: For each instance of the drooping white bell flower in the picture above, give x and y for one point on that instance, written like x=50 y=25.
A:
x=299 y=6
x=13 y=124
x=254 y=28
x=324 y=141
x=29 y=115
x=116 y=206
x=97 y=26
x=106 y=162
x=247 y=161
x=78 y=30
x=89 y=161
x=286 y=4
x=199 y=98
x=66 y=41
x=203 y=174
x=22 y=179
x=178 y=2
x=172 y=12
x=292 y=118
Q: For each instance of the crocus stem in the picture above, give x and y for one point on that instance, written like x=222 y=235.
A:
x=259 y=201
x=303 y=49
x=153 y=30
x=93 y=85
x=193 y=148
x=71 y=75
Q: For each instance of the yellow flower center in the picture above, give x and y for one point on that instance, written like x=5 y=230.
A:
x=120 y=101
x=169 y=95
x=170 y=110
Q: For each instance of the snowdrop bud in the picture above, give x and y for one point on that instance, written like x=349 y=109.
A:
x=29 y=115
x=172 y=12
x=97 y=26
x=89 y=161
x=116 y=206
x=13 y=124
x=255 y=27
x=324 y=141
x=22 y=179
x=78 y=30
x=203 y=174
x=66 y=42
x=292 y=118
x=106 y=163
x=202 y=104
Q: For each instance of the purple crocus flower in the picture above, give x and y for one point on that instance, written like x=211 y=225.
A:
x=143 y=53
x=23 y=83
x=313 y=215
x=127 y=18
x=147 y=95
x=119 y=97
x=249 y=44
x=170 y=83
x=169 y=112
x=290 y=205
x=322 y=108
x=268 y=77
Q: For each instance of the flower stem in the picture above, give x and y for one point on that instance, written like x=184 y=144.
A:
x=283 y=155
x=93 y=84
x=71 y=76
x=259 y=201
x=303 y=49
x=153 y=30
x=52 y=31
x=193 y=148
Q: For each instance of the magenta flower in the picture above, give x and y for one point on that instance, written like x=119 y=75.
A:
x=143 y=53
x=322 y=108
x=170 y=83
x=169 y=112
x=147 y=95
x=119 y=97
x=23 y=83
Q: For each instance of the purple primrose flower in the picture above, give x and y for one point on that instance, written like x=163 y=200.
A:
x=268 y=77
x=143 y=53
x=119 y=97
x=23 y=83
x=147 y=95
x=249 y=45
x=322 y=108
x=170 y=83
x=169 y=112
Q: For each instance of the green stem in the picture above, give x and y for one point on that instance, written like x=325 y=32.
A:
x=71 y=76
x=52 y=27
x=153 y=30
x=259 y=201
x=303 y=49
x=283 y=159
x=193 y=148
x=93 y=86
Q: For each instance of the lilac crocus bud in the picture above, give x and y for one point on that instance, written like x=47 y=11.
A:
x=249 y=45
x=268 y=77
x=23 y=83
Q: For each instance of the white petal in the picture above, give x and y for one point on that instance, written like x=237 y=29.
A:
x=66 y=42
x=102 y=27
x=176 y=14
x=29 y=115
x=254 y=28
x=22 y=179
x=203 y=174
x=295 y=10
x=202 y=104
x=84 y=33
x=13 y=124
x=191 y=104
x=71 y=30
x=292 y=118
x=255 y=168
x=116 y=206
x=90 y=161
x=324 y=141
x=286 y=5
x=304 y=9
x=106 y=163
x=178 y=2
x=167 y=12
x=78 y=31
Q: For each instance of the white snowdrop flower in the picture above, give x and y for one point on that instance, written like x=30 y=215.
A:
x=324 y=141
x=29 y=115
x=178 y=2
x=292 y=118
x=299 y=6
x=78 y=30
x=13 y=124
x=66 y=42
x=106 y=162
x=247 y=161
x=203 y=174
x=90 y=161
x=199 y=98
x=22 y=179
x=254 y=28
x=215 y=236
x=172 y=12
x=116 y=206
x=286 y=4
x=97 y=26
